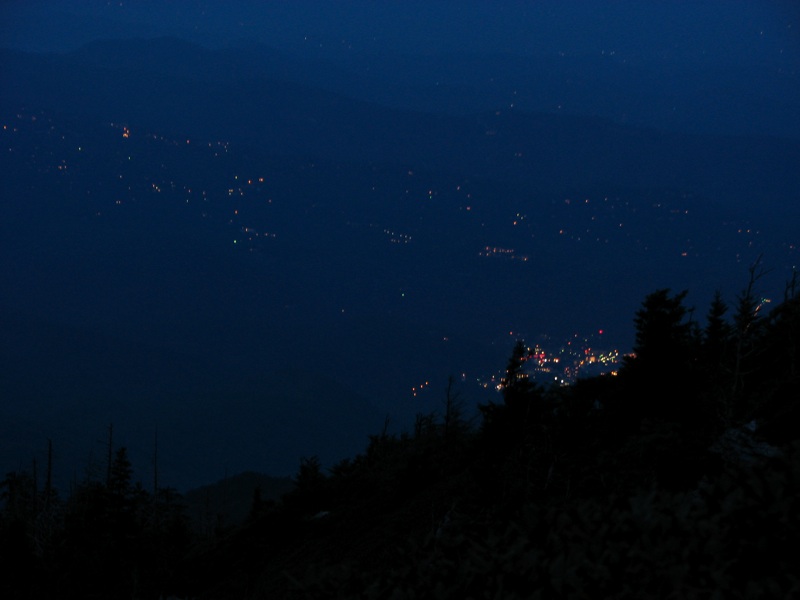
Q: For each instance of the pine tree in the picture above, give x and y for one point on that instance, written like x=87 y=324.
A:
x=517 y=385
x=746 y=328
x=660 y=375
x=716 y=355
x=717 y=332
x=663 y=335
x=121 y=473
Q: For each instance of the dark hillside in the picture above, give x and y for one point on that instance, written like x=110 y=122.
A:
x=230 y=502
x=564 y=491
x=678 y=475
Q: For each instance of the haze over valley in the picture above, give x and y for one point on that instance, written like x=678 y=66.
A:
x=262 y=254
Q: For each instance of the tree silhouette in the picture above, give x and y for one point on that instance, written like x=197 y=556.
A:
x=509 y=420
x=517 y=385
x=717 y=332
x=662 y=370
x=746 y=331
x=121 y=473
x=663 y=335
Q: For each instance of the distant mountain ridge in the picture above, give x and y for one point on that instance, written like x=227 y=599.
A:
x=229 y=501
x=667 y=97
x=289 y=118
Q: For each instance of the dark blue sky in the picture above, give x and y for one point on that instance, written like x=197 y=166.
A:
x=707 y=32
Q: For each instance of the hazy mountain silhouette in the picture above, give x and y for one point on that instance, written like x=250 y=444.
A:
x=232 y=498
x=174 y=87
x=667 y=96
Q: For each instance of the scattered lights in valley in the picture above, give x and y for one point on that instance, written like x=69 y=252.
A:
x=144 y=164
x=417 y=389
x=507 y=253
x=244 y=201
x=563 y=363
x=552 y=363
x=397 y=238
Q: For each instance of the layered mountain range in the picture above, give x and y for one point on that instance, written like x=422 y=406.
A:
x=261 y=257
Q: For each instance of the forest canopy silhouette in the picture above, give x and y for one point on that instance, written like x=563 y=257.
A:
x=679 y=475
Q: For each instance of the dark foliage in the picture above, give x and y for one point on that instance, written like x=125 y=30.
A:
x=680 y=477
x=107 y=540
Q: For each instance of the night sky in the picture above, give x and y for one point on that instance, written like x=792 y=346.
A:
x=262 y=227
